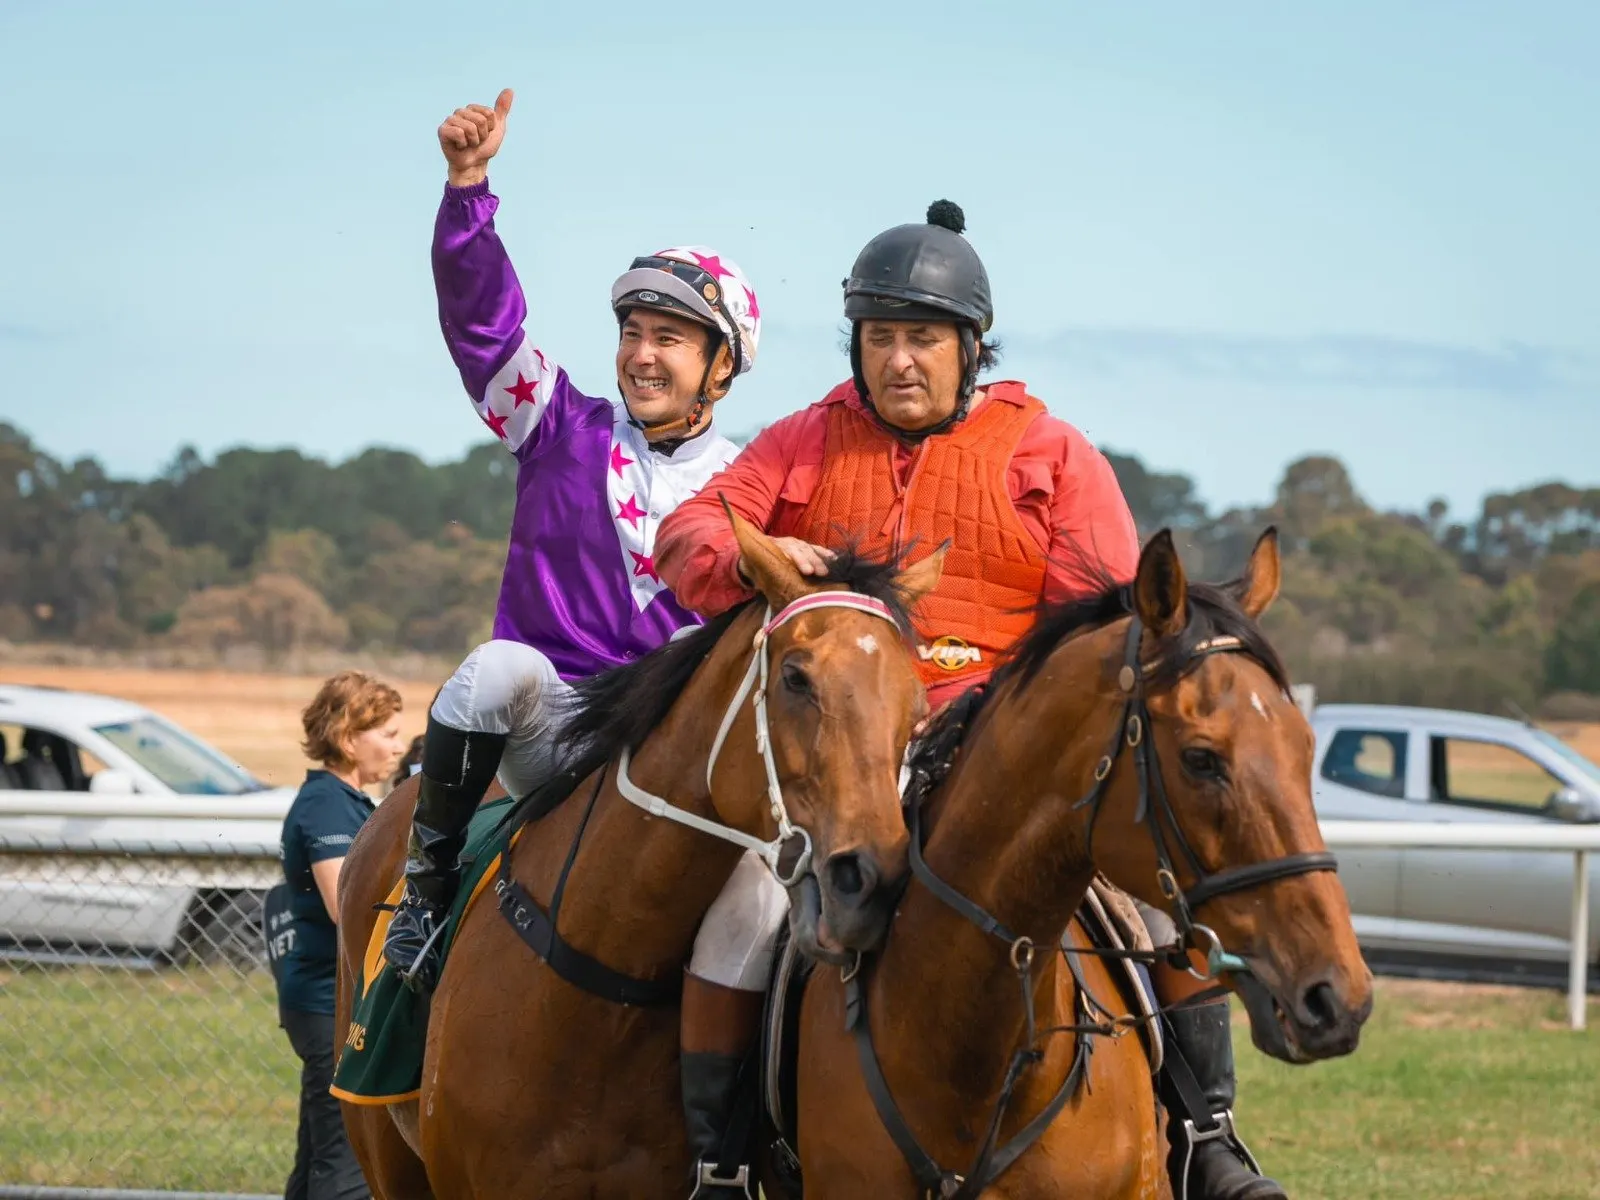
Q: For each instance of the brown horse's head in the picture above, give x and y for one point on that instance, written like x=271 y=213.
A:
x=842 y=697
x=1231 y=781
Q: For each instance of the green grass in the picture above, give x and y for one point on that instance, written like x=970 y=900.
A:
x=122 y=1080
x=139 y=1080
x=1454 y=1093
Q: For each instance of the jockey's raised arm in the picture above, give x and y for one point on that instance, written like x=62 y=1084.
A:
x=513 y=385
x=580 y=593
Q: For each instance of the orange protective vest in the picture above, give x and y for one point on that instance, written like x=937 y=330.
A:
x=955 y=488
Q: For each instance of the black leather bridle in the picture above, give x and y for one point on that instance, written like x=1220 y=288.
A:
x=1154 y=810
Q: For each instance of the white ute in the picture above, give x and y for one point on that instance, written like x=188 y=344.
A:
x=87 y=867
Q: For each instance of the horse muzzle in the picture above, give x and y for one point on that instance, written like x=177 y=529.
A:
x=843 y=908
x=1302 y=1023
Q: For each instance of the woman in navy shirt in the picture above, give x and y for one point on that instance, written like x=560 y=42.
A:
x=353 y=729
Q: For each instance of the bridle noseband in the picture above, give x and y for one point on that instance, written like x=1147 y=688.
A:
x=788 y=855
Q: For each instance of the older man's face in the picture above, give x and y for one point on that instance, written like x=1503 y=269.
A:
x=913 y=370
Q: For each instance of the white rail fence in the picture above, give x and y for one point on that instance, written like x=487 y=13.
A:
x=1577 y=840
x=149 y=1037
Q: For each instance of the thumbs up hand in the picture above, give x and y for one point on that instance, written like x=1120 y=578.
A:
x=471 y=136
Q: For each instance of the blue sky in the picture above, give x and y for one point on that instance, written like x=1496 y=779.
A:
x=1219 y=236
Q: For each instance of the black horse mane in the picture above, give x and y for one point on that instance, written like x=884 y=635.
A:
x=1213 y=612
x=618 y=708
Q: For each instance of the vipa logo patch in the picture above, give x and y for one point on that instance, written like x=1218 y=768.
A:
x=950 y=653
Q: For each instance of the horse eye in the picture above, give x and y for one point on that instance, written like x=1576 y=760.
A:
x=1205 y=764
x=796 y=680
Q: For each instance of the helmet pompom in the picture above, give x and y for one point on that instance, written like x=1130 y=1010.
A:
x=948 y=214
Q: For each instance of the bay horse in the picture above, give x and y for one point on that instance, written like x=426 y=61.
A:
x=532 y=1086
x=1154 y=742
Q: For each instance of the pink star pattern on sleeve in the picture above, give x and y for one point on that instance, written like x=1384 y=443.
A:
x=523 y=385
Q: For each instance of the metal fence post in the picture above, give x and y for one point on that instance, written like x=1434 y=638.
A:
x=1578 y=965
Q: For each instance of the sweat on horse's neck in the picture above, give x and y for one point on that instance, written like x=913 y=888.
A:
x=1008 y=840
x=641 y=884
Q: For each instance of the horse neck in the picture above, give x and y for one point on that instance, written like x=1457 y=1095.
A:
x=640 y=885
x=1007 y=838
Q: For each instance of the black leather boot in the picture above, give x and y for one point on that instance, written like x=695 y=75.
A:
x=1208 y=1161
x=457 y=768
x=719 y=1027
x=710 y=1090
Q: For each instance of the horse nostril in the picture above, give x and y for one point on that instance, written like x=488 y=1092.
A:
x=1321 y=1004
x=850 y=876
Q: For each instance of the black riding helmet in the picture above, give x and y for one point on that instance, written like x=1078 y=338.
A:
x=922 y=272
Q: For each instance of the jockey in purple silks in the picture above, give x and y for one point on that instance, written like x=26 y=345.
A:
x=580 y=593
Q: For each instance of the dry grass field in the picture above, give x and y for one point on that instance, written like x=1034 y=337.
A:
x=255 y=718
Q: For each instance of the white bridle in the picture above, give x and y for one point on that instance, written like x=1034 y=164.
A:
x=756 y=675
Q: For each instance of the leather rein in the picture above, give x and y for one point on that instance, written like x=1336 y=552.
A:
x=1155 y=810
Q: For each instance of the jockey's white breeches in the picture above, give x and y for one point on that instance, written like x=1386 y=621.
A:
x=511 y=688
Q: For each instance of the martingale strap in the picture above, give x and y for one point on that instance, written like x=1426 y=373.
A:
x=992 y=1161
x=538 y=929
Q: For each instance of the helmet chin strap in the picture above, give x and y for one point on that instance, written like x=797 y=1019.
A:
x=664 y=437
x=969 y=385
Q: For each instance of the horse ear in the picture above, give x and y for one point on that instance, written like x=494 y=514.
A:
x=1257 y=588
x=769 y=568
x=918 y=580
x=1160 y=589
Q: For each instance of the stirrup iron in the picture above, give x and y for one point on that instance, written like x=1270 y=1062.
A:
x=1224 y=1132
x=709 y=1184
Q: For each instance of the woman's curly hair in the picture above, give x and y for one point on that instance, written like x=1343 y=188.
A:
x=347 y=704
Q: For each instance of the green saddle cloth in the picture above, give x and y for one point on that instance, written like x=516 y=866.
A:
x=380 y=1061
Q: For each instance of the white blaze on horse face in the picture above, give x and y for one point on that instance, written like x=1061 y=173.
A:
x=1255 y=703
x=868 y=643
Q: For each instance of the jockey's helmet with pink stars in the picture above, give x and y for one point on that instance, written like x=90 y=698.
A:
x=698 y=283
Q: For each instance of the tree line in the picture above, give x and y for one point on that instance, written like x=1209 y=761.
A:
x=281 y=552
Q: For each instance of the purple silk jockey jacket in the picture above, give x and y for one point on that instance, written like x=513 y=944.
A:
x=580 y=583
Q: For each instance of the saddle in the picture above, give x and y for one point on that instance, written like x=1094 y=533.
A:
x=1109 y=918
x=380 y=1059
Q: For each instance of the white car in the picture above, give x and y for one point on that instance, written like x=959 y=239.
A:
x=1481 y=913
x=85 y=874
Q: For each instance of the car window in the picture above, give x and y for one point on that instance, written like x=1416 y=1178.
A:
x=187 y=766
x=1583 y=764
x=41 y=760
x=1369 y=760
x=1489 y=775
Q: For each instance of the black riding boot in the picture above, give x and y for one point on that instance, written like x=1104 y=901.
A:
x=710 y=1087
x=719 y=1027
x=457 y=768
x=1208 y=1161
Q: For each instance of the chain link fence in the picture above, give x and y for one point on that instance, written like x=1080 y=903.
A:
x=139 y=1038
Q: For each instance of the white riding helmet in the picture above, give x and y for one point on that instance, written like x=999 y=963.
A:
x=695 y=282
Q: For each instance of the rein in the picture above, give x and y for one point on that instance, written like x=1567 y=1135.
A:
x=1155 y=810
